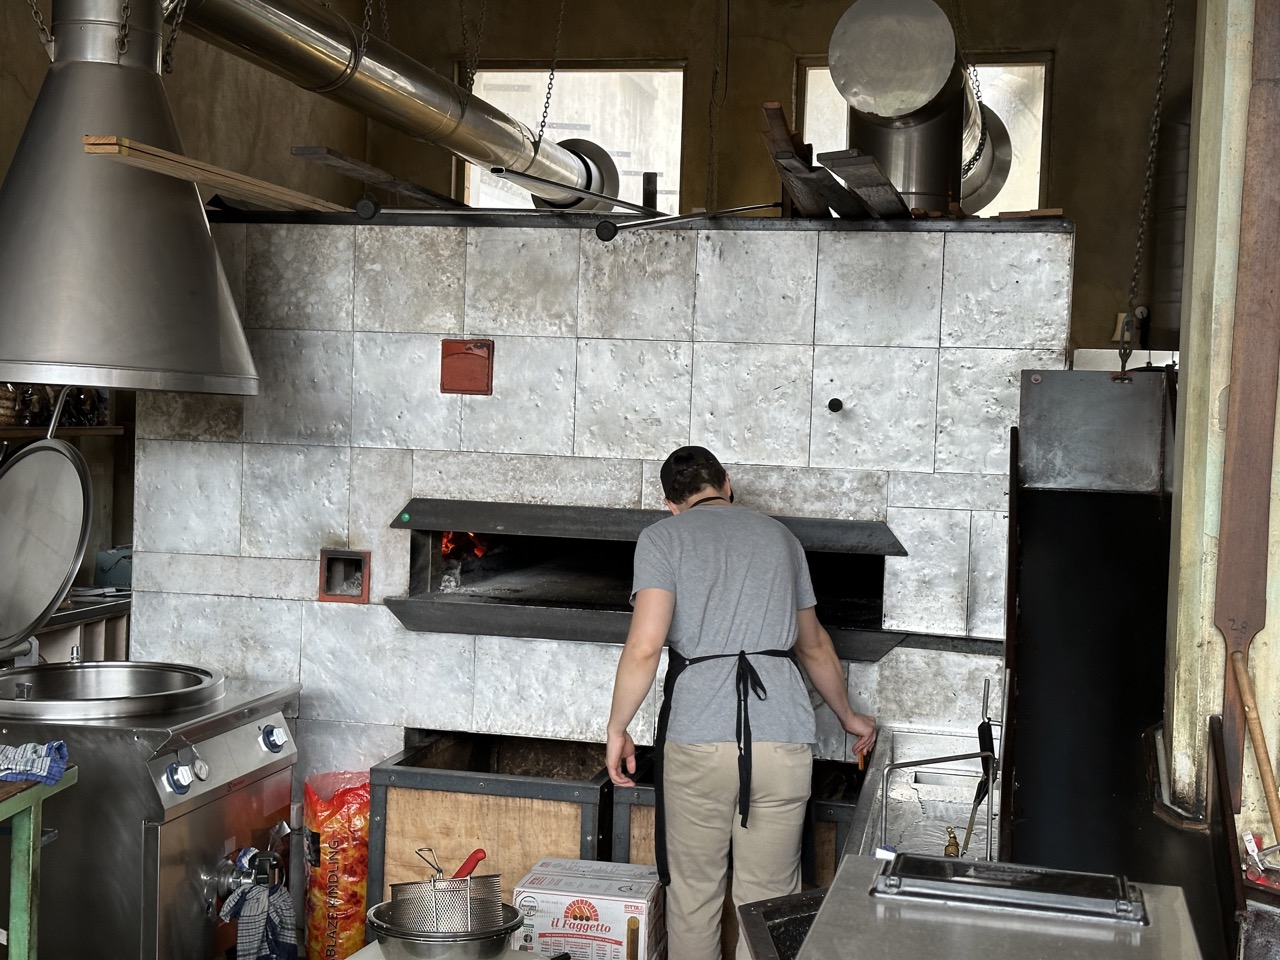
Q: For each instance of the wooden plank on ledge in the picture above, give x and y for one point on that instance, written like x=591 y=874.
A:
x=780 y=137
x=1029 y=214
x=821 y=185
x=805 y=198
x=367 y=173
x=175 y=165
x=864 y=178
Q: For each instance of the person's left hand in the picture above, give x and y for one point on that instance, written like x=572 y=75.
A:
x=863 y=727
x=620 y=750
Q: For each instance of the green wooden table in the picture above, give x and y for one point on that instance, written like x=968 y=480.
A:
x=21 y=803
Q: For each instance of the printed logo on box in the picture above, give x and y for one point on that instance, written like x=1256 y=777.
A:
x=580 y=916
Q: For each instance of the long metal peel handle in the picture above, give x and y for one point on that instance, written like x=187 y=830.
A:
x=1256 y=736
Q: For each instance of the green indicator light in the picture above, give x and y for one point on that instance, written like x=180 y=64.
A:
x=404 y=518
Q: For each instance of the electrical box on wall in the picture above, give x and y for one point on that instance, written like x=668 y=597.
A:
x=466 y=366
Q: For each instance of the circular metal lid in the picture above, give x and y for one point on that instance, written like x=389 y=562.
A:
x=45 y=500
x=890 y=58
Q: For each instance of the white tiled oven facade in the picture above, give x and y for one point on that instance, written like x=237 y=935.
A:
x=607 y=356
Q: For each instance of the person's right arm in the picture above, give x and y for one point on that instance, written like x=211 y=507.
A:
x=817 y=655
x=637 y=667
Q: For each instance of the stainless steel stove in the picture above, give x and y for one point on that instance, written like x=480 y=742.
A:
x=163 y=800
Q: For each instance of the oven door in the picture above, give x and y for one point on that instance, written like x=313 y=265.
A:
x=180 y=915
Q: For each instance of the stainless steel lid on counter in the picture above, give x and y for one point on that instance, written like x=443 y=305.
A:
x=978 y=910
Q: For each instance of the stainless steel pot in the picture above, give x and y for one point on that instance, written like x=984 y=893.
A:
x=482 y=945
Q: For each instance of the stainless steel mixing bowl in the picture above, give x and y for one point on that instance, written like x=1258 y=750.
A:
x=399 y=944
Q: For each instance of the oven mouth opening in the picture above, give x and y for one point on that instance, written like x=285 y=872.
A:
x=551 y=572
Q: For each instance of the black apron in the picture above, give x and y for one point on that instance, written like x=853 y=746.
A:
x=748 y=682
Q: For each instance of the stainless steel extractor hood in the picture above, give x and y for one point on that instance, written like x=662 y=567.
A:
x=108 y=273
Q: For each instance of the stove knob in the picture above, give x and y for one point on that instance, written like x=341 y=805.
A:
x=179 y=777
x=200 y=769
x=274 y=738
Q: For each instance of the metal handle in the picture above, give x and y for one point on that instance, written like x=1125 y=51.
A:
x=264 y=869
x=904 y=764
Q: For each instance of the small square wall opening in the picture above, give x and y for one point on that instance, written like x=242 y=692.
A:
x=344 y=575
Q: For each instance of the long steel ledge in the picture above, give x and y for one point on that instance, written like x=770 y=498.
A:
x=617 y=523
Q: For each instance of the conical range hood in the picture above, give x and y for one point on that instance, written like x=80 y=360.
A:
x=108 y=273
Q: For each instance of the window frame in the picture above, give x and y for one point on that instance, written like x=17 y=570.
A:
x=459 y=165
x=978 y=58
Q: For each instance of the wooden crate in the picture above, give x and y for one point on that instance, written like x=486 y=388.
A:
x=520 y=799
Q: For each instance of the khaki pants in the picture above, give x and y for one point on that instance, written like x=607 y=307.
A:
x=700 y=784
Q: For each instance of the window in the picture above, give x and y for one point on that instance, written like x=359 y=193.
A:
x=633 y=114
x=1015 y=91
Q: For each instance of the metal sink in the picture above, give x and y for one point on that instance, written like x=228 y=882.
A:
x=87 y=691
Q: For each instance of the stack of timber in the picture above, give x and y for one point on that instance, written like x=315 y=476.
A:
x=813 y=192
x=233 y=184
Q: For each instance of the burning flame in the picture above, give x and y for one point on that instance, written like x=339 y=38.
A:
x=457 y=543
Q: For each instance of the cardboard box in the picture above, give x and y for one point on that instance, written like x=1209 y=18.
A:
x=592 y=910
x=601 y=869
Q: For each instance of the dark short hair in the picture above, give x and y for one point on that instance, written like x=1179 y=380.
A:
x=688 y=470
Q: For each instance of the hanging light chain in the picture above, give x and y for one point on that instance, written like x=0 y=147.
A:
x=366 y=25
x=386 y=23
x=1148 y=182
x=982 y=124
x=122 y=33
x=166 y=58
x=45 y=36
x=471 y=54
x=551 y=76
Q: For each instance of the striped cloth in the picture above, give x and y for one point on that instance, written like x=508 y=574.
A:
x=266 y=930
x=44 y=762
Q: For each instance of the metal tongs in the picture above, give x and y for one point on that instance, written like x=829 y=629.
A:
x=986 y=744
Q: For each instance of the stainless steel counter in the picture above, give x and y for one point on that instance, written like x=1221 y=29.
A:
x=854 y=924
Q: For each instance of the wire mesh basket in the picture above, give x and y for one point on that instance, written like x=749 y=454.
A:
x=469 y=905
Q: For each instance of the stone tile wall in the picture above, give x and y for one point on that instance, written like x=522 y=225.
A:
x=607 y=356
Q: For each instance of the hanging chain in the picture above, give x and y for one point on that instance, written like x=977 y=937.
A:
x=962 y=43
x=364 y=27
x=166 y=58
x=982 y=121
x=1148 y=181
x=551 y=76
x=471 y=54
x=45 y=36
x=386 y=24
x=122 y=34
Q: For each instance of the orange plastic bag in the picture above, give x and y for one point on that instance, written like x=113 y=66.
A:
x=336 y=817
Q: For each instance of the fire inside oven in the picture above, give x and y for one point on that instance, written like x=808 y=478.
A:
x=581 y=574
x=564 y=572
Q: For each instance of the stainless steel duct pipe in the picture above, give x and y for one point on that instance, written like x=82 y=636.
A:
x=897 y=64
x=319 y=50
x=108 y=273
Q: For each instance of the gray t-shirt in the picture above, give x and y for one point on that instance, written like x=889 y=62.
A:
x=738 y=578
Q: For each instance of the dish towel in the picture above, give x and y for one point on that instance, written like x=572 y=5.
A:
x=266 y=930
x=44 y=762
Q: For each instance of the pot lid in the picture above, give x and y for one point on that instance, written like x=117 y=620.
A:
x=45 y=500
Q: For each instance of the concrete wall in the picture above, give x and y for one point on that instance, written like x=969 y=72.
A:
x=606 y=357
x=1103 y=77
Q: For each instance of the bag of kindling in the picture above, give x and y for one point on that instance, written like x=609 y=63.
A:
x=336 y=840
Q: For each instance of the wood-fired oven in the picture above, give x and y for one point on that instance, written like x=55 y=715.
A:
x=563 y=572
